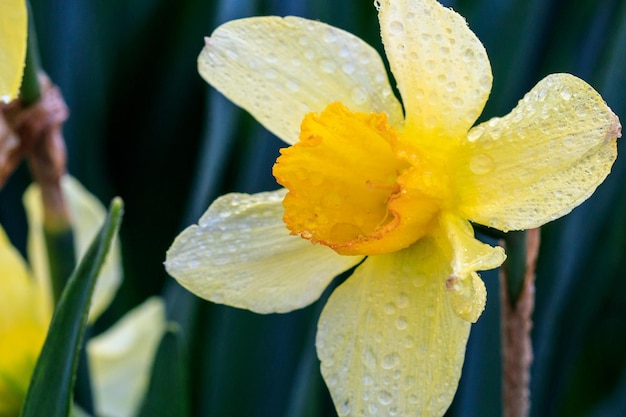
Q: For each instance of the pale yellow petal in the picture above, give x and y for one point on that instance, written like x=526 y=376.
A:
x=120 y=359
x=388 y=339
x=241 y=254
x=87 y=215
x=23 y=327
x=280 y=69
x=441 y=67
x=541 y=160
x=466 y=290
x=13 y=28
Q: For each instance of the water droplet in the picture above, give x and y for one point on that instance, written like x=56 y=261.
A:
x=403 y=300
x=328 y=66
x=271 y=74
x=232 y=55
x=390 y=361
x=344 y=409
x=566 y=94
x=396 y=27
x=418 y=280
x=369 y=358
x=348 y=68
x=402 y=323
x=457 y=101
x=481 y=164
x=569 y=141
x=309 y=54
x=330 y=37
x=409 y=342
x=413 y=399
x=390 y=308
x=292 y=86
x=468 y=55
x=359 y=95
x=475 y=133
x=385 y=398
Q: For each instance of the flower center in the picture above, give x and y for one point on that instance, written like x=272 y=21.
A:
x=349 y=189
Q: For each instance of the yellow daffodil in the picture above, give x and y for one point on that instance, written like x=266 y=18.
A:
x=13 y=30
x=120 y=358
x=387 y=187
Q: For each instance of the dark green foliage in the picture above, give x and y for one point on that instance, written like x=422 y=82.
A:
x=50 y=390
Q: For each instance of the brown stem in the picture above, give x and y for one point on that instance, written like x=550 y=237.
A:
x=34 y=132
x=516 y=324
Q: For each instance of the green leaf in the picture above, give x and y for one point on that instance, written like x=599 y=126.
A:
x=49 y=393
x=168 y=392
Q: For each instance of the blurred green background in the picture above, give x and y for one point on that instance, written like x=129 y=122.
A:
x=145 y=126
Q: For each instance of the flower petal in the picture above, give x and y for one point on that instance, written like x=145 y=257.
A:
x=87 y=215
x=541 y=160
x=280 y=69
x=442 y=69
x=466 y=290
x=13 y=29
x=120 y=359
x=389 y=340
x=23 y=327
x=241 y=254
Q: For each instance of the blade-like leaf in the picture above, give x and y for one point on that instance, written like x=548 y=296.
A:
x=49 y=393
x=168 y=392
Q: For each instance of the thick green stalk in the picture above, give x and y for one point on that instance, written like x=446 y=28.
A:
x=30 y=90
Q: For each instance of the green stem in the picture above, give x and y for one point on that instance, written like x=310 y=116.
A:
x=30 y=90
x=61 y=258
x=58 y=233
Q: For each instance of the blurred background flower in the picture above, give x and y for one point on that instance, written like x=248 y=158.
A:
x=120 y=358
x=143 y=125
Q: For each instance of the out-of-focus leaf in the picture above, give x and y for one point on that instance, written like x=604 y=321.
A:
x=49 y=393
x=168 y=392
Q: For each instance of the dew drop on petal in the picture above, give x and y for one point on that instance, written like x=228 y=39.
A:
x=403 y=300
x=475 y=133
x=481 y=164
x=384 y=397
x=328 y=66
x=390 y=361
x=402 y=323
x=566 y=94
x=468 y=55
x=390 y=308
x=348 y=68
x=359 y=95
x=396 y=27
x=292 y=86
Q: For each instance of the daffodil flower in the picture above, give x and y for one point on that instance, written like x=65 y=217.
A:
x=13 y=30
x=120 y=358
x=387 y=187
